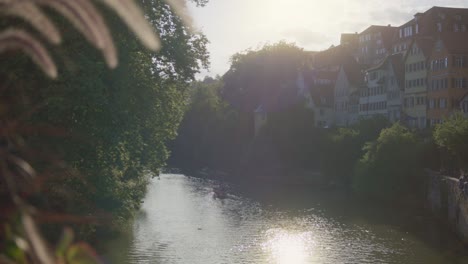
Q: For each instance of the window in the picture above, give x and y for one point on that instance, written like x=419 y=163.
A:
x=422 y=122
x=463 y=28
x=443 y=103
x=431 y=103
x=439 y=27
x=456 y=28
x=465 y=106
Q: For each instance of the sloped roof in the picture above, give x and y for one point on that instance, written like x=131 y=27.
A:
x=396 y=60
x=398 y=67
x=353 y=72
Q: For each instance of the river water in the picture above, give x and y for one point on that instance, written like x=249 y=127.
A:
x=181 y=222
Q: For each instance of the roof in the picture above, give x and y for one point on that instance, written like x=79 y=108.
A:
x=353 y=72
x=349 y=38
x=396 y=60
x=424 y=43
x=318 y=91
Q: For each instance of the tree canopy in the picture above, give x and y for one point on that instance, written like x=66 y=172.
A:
x=259 y=76
x=112 y=126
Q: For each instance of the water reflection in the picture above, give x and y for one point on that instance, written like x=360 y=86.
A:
x=286 y=247
x=182 y=223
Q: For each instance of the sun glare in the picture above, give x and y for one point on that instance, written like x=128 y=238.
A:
x=287 y=247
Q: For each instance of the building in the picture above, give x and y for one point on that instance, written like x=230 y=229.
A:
x=383 y=92
x=415 y=96
x=464 y=105
x=374 y=44
x=346 y=95
x=394 y=85
x=447 y=76
x=434 y=21
x=319 y=89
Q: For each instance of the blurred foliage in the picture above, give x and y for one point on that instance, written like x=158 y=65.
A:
x=94 y=136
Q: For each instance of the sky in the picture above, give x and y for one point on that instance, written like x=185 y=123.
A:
x=237 y=25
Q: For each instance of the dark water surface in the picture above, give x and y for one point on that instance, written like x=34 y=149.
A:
x=181 y=222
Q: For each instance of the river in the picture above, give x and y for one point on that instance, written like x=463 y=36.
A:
x=181 y=222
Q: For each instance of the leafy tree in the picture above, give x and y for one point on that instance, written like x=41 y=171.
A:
x=295 y=137
x=113 y=125
x=344 y=147
x=211 y=123
x=390 y=167
x=256 y=76
x=452 y=136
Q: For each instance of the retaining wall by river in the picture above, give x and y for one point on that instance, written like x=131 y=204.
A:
x=446 y=200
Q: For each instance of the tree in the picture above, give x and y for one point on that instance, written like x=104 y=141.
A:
x=391 y=165
x=259 y=76
x=452 y=136
x=213 y=125
x=114 y=125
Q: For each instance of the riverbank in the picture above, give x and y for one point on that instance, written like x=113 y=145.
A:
x=447 y=202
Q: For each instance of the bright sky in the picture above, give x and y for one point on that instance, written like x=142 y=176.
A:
x=236 y=25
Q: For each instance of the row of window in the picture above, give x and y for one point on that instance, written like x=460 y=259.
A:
x=415 y=67
x=341 y=106
x=459 y=61
x=440 y=84
x=435 y=103
x=393 y=95
x=373 y=106
x=415 y=83
x=439 y=64
x=410 y=102
x=408 y=31
x=458 y=28
x=371 y=91
x=415 y=50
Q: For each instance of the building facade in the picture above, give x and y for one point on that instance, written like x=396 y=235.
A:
x=349 y=81
x=415 y=97
x=448 y=76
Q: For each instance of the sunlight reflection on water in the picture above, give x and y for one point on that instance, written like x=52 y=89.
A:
x=182 y=223
x=288 y=247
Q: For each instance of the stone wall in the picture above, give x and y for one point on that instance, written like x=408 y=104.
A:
x=447 y=201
